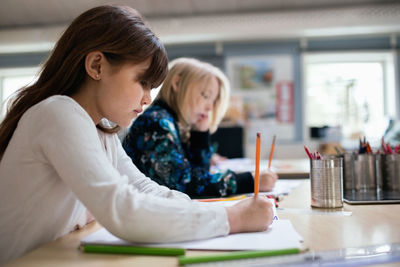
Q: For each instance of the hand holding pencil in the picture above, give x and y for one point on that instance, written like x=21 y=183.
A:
x=253 y=214
x=267 y=180
x=250 y=215
x=264 y=181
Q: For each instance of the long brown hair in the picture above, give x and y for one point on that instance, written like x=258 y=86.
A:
x=117 y=31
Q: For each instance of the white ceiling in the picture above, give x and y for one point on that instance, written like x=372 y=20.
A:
x=28 y=13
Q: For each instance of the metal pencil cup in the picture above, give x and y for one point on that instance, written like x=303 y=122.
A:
x=348 y=171
x=326 y=183
x=365 y=172
x=391 y=172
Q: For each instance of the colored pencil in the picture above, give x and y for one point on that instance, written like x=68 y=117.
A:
x=308 y=152
x=271 y=153
x=222 y=199
x=237 y=255
x=257 y=174
x=133 y=250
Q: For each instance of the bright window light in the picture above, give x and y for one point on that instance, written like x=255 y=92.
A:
x=11 y=81
x=352 y=92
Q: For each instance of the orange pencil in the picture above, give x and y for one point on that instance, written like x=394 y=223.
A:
x=222 y=199
x=257 y=175
x=271 y=153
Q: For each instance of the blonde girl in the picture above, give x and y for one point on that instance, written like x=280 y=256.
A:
x=170 y=141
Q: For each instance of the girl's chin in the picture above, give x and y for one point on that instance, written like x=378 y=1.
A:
x=125 y=124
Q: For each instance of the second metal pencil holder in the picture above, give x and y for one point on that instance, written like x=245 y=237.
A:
x=362 y=172
x=365 y=172
x=348 y=171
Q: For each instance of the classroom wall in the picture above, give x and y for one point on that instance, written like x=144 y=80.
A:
x=294 y=48
x=218 y=56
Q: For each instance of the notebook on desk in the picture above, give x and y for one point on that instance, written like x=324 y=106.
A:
x=280 y=235
x=371 y=197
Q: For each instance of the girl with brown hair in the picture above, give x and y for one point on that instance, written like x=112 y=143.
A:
x=61 y=157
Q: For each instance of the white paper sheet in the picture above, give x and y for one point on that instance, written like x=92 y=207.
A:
x=280 y=235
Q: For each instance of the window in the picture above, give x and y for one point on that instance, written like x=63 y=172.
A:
x=11 y=80
x=351 y=92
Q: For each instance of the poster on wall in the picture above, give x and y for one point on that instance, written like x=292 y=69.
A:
x=265 y=86
x=284 y=102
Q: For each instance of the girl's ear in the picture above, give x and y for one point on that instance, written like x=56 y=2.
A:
x=174 y=83
x=93 y=63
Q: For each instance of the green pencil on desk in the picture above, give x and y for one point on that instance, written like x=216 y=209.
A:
x=133 y=250
x=236 y=255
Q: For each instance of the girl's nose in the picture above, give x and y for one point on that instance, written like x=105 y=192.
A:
x=146 y=99
x=209 y=106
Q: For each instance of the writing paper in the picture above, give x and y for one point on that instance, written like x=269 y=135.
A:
x=280 y=235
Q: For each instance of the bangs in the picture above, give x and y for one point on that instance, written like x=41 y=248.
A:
x=158 y=68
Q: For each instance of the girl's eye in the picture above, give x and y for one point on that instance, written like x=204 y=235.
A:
x=144 y=84
x=206 y=96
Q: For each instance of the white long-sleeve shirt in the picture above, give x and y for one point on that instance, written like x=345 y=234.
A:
x=58 y=163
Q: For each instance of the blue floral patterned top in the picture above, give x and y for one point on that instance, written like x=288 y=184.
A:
x=155 y=146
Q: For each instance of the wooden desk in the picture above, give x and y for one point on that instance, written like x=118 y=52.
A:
x=368 y=225
x=292 y=168
x=288 y=168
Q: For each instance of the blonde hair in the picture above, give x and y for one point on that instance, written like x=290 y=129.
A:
x=190 y=72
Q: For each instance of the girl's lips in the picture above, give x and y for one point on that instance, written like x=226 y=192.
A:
x=202 y=116
x=138 y=110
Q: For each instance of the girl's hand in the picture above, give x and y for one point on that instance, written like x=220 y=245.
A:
x=267 y=180
x=217 y=158
x=250 y=215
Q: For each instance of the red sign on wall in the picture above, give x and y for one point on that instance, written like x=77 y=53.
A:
x=284 y=101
